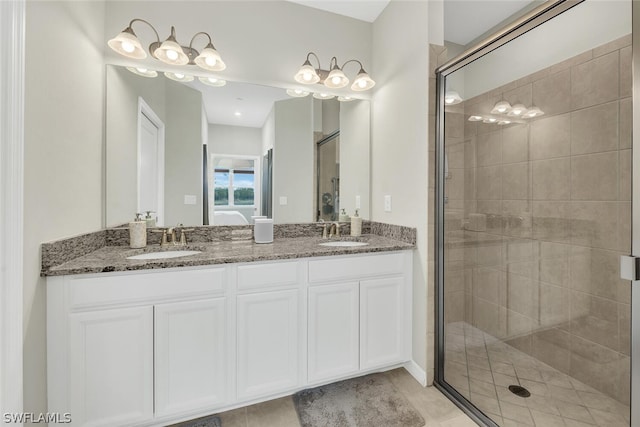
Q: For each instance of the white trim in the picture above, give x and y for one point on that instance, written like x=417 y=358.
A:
x=144 y=108
x=416 y=372
x=12 y=40
x=257 y=181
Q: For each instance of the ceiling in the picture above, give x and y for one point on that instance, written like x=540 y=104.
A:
x=466 y=20
x=364 y=10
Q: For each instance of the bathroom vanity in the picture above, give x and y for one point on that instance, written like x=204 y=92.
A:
x=155 y=344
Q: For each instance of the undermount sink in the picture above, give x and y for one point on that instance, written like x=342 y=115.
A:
x=344 y=244
x=163 y=254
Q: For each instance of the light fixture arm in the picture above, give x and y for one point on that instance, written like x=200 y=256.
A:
x=317 y=59
x=196 y=35
x=142 y=20
x=353 y=60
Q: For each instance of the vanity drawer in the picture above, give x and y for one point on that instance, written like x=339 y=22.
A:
x=89 y=291
x=355 y=267
x=272 y=274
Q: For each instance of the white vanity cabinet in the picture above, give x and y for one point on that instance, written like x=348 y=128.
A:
x=155 y=347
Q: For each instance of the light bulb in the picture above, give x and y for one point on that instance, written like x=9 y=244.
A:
x=180 y=75
x=336 y=80
x=142 y=70
x=307 y=77
x=213 y=80
x=210 y=61
x=172 y=55
x=475 y=118
x=128 y=47
x=362 y=83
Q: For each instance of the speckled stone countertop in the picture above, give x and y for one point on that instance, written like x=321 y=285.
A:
x=114 y=258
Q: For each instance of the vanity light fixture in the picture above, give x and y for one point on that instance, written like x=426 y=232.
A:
x=212 y=81
x=504 y=122
x=144 y=72
x=169 y=51
x=452 y=98
x=475 y=118
x=489 y=120
x=323 y=95
x=297 y=93
x=533 y=112
x=345 y=98
x=502 y=107
x=334 y=78
x=179 y=77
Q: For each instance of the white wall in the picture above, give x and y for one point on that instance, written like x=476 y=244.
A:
x=399 y=138
x=183 y=154
x=330 y=115
x=235 y=140
x=63 y=153
x=293 y=161
x=269 y=132
x=354 y=156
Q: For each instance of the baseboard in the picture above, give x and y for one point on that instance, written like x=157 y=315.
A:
x=416 y=372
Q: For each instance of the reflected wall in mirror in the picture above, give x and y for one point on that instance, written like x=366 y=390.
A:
x=202 y=155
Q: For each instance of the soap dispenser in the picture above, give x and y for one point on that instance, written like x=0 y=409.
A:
x=150 y=220
x=343 y=217
x=356 y=225
x=138 y=232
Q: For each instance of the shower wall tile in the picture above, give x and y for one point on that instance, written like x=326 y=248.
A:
x=551 y=137
x=553 y=93
x=625 y=175
x=551 y=179
x=554 y=301
x=517 y=218
x=624 y=326
x=489 y=148
x=595 y=82
x=594 y=224
x=515 y=144
x=595 y=365
x=594 y=319
x=625 y=123
x=625 y=72
x=617 y=44
x=595 y=129
x=551 y=221
x=595 y=176
x=519 y=95
x=552 y=346
x=489 y=182
x=515 y=181
x=624 y=227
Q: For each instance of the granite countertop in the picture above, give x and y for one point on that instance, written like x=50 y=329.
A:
x=114 y=258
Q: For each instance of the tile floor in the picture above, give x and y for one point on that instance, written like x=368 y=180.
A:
x=481 y=368
x=436 y=409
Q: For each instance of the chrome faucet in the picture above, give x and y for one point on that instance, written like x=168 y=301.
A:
x=334 y=230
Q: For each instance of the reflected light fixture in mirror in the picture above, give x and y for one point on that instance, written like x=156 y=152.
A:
x=212 y=81
x=334 y=78
x=179 y=77
x=502 y=107
x=517 y=110
x=169 y=51
x=297 y=93
x=144 y=72
x=452 y=98
x=345 y=98
x=322 y=95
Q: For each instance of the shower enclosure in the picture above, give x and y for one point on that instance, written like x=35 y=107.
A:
x=328 y=177
x=534 y=211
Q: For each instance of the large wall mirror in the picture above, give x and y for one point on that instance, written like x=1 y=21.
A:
x=196 y=154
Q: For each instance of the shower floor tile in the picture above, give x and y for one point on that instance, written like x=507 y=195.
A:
x=482 y=367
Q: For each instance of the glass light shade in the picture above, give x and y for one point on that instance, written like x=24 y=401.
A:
x=297 y=93
x=179 y=77
x=336 y=79
x=171 y=53
x=504 y=122
x=144 y=72
x=517 y=110
x=533 y=112
x=212 y=81
x=209 y=59
x=127 y=44
x=362 y=82
x=307 y=74
x=322 y=95
x=452 y=98
x=502 y=107
x=489 y=120
x=475 y=118
x=345 y=98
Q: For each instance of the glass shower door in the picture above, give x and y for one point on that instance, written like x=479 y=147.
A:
x=535 y=213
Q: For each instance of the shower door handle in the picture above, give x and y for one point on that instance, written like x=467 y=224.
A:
x=629 y=267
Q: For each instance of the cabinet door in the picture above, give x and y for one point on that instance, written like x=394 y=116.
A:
x=268 y=329
x=381 y=334
x=190 y=355
x=333 y=331
x=111 y=366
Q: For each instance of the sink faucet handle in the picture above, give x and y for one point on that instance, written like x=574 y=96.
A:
x=183 y=235
x=164 y=241
x=324 y=228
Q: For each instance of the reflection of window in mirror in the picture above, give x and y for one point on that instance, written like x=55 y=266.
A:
x=234 y=197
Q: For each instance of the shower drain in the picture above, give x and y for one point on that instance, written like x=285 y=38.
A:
x=519 y=391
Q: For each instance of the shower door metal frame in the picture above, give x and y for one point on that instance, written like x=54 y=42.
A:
x=531 y=20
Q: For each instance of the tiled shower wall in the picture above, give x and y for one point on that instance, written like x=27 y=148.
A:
x=556 y=193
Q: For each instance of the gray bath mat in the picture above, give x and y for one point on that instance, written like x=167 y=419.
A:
x=360 y=402
x=212 y=421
